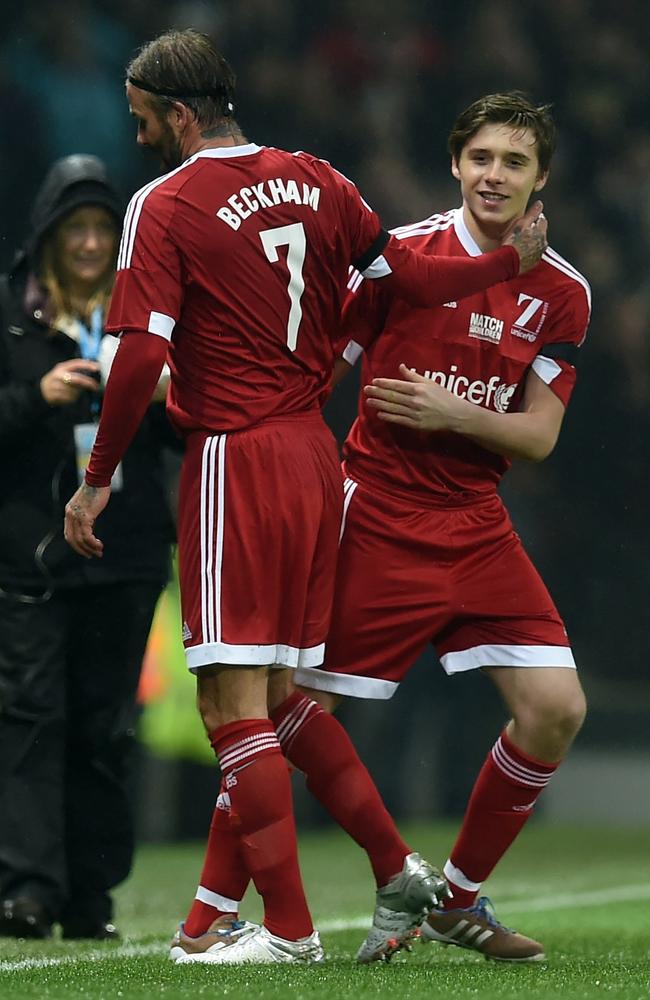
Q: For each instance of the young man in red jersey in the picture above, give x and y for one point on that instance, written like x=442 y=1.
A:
x=234 y=263
x=428 y=553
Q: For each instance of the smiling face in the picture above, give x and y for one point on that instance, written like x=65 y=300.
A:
x=498 y=170
x=85 y=244
x=154 y=131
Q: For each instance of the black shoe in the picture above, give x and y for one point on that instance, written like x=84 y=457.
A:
x=24 y=918
x=74 y=930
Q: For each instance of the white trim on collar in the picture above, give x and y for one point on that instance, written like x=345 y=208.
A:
x=225 y=152
x=465 y=238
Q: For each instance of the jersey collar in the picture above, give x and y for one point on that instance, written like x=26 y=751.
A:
x=465 y=238
x=225 y=152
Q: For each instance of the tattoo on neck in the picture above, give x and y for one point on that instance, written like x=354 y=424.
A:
x=222 y=130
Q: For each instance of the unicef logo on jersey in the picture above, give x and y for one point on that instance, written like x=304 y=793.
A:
x=493 y=393
x=502 y=397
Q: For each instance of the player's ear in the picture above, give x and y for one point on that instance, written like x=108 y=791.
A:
x=454 y=168
x=180 y=114
x=541 y=181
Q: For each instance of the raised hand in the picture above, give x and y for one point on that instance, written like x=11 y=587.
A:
x=528 y=236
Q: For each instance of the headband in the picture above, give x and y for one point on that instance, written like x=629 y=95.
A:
x=221 y=92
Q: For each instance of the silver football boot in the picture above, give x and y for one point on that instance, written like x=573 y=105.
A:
x=401 y=906
x=257 y=946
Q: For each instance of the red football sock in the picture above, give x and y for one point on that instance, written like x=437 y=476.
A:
x=256 y=778
x=317 y=744
x=224 y=878
x=502 y=799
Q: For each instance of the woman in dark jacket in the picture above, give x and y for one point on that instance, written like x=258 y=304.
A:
x=72 y=632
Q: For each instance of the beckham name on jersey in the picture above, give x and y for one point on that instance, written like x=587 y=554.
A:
x=266 y=194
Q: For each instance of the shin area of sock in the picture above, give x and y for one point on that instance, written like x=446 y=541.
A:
x=318 y=745
x=258 y=783
x=224 y=877
x=502 y=800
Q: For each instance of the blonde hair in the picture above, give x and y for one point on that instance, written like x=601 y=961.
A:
x=59 y=296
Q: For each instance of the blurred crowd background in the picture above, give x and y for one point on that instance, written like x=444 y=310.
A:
x=374 y=87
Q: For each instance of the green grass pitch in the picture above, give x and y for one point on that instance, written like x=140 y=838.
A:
x=584 y=892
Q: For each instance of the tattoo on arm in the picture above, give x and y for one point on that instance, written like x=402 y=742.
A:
x=530 y=245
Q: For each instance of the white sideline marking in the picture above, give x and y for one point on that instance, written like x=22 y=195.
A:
x=594 y=897
x=617 y=894
x=124 y=951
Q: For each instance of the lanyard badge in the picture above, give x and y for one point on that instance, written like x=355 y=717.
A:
x=85 y=434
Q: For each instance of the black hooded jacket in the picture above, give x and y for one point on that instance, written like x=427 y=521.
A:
x=38 y=472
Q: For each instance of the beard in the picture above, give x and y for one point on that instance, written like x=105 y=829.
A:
x=168 y=148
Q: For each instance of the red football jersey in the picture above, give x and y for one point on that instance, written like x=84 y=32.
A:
x=239 y=257
x=481 y=348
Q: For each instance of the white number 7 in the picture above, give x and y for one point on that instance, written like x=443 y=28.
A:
x=292 y=236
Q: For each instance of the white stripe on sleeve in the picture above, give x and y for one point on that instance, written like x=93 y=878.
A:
x=546 y=368
x=378 y=269
x=352 y=352
x=161 y=324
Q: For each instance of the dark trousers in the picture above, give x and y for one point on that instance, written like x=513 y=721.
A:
x=69 y=671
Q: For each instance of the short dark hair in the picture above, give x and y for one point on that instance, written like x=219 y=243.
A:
x=511 y=108
x=184 y=66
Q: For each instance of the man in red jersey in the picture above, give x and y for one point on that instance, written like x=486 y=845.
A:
x=428 y=553
x=233 y=264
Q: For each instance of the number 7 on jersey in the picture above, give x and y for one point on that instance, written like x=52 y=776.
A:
x=293 y=237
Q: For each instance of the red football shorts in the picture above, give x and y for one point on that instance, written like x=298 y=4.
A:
x=259 y=522
x=457 y=577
